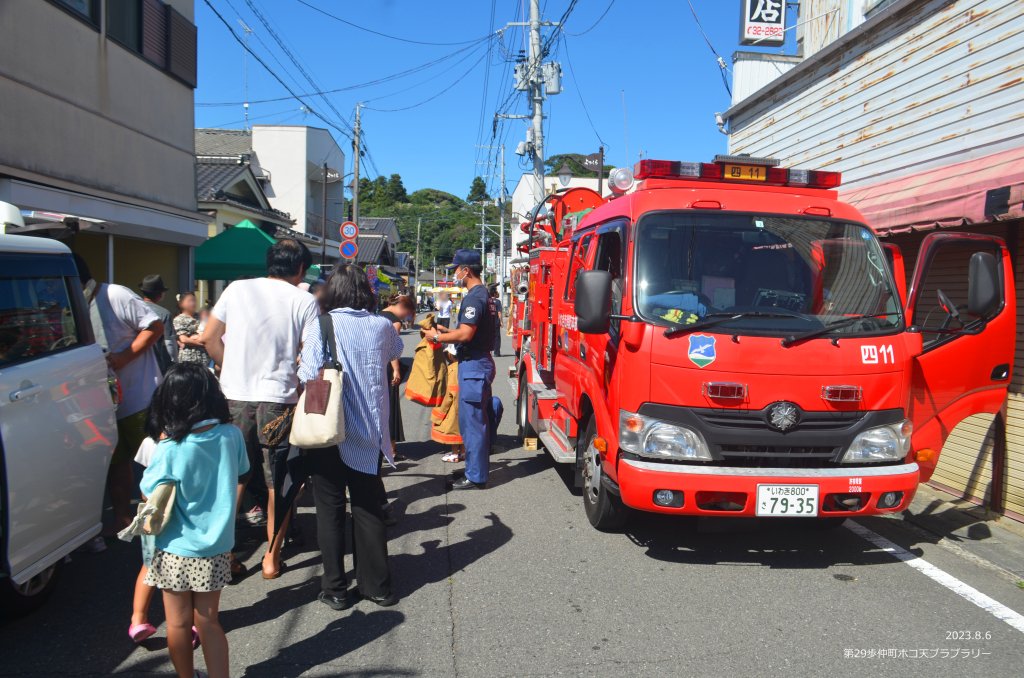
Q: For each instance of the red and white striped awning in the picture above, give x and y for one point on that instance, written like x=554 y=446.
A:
x=945 y=197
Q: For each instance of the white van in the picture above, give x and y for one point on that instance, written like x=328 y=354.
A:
x=57 y=422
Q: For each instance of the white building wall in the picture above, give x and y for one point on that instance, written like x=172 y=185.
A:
x=921 y=85
x=320 y=148
x=753 y=70
x=293 y=155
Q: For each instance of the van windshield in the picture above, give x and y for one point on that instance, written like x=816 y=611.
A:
x=786 y=274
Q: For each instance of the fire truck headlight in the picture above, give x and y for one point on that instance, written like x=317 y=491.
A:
x=656 y=439
x=667 y=441
x=879 y=444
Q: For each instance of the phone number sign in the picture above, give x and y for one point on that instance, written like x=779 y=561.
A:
x=764 y=22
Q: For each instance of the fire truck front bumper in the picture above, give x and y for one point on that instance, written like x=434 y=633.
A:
x=765 y=492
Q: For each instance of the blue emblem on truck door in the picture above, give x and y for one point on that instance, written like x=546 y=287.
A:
x=702 y=350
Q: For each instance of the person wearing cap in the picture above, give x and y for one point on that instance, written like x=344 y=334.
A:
x=475 y=338
x=153 y=290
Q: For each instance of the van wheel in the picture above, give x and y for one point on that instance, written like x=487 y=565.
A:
x=523 y=412
x=604 y=510
x=18 y=600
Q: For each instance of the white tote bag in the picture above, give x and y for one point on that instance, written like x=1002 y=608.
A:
x=319 y=419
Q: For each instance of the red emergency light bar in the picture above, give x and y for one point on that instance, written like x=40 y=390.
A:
x=739 y=171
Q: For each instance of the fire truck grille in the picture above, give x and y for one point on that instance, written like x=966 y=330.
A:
x=766 y=456
x=754 y=420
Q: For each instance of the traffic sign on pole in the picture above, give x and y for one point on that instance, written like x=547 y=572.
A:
x=349 y=249
x=349 y=230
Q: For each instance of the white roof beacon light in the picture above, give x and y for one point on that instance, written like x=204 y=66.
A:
x=620 y=180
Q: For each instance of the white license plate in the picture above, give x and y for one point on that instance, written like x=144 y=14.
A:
x=787 y=500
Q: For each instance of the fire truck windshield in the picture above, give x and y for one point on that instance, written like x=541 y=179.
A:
x=777 y=275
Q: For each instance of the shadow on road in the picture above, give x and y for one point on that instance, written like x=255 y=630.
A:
x=782 y=544
x=412 y=571
x=337 y=639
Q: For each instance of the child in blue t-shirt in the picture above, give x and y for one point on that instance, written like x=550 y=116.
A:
x=204 y=456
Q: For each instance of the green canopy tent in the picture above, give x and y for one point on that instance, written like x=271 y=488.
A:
x=238 y=252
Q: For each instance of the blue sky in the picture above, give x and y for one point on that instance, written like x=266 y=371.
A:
x=649 y=50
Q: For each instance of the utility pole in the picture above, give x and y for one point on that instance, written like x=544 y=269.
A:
x=416 y=264
x=483 y=236
x=537 y=99
x=323 y=220
x=501 y=230
x=355 y=165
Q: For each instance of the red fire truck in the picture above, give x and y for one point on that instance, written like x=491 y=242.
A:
x=729 y=339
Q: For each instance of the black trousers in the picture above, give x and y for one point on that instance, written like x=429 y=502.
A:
x=330 y=477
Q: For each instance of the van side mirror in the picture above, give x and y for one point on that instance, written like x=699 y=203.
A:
x=984 y=290
x=593 y=303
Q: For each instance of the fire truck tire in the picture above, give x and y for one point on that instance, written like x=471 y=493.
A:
x=523 y=412
x=604 y=510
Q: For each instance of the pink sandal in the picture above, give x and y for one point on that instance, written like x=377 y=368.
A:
x=140 y=632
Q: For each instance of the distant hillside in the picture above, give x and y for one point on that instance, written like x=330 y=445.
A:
x=449 y=222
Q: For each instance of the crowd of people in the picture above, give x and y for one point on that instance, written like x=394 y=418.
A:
x=207 y=402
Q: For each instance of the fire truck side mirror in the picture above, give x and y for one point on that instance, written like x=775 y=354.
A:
x=593 y=303
x=984 y=289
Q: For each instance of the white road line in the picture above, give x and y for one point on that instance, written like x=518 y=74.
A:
x=969 y=593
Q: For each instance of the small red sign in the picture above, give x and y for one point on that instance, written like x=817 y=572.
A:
x=349 y=230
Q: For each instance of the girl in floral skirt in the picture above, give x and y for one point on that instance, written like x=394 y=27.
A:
x=203 y=455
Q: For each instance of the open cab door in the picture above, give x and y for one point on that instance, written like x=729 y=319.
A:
x=894 y=256
x=961 y=307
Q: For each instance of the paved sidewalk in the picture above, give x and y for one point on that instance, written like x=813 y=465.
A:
x=963 y=525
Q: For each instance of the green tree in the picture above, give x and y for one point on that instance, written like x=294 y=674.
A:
x=396 y=189
x=477 y=191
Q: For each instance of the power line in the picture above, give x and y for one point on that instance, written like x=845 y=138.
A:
x=384 y=35
x=594 y=25
x=428 y=80
x=718 y=57
x=284 y=48
x=431 y=98
x=347 y=88
x=559 y=28
x=487 y=83
x=263 y=63
x=579 y=93
x=293 y=113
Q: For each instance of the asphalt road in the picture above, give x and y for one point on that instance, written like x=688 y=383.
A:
x=512 y=581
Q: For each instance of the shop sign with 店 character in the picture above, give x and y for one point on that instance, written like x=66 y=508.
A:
x=764 y=22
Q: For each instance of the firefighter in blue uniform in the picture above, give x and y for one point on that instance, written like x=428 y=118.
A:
x=475 y=336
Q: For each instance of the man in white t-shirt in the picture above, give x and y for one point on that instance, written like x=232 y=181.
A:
x=254 y=333
x=127 y=329
x=444 y=310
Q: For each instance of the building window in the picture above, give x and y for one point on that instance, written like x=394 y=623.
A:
x=87 y=10
x=158 y=33
x=124 y=23
x=154 y=32
x=181 y=47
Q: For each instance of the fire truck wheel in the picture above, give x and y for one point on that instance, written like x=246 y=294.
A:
x=604 y=510
x=522 y=412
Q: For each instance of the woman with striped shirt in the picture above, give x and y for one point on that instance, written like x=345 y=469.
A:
x=365 y=343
